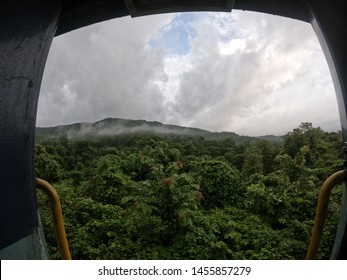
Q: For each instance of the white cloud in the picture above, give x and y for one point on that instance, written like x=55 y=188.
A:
x=245 y=72
x=262 y=84
x=232 y=47
x=110 y=69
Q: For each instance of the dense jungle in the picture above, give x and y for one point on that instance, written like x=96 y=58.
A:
x=188 y=197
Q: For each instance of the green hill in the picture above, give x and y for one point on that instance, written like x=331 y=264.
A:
x=112 y=127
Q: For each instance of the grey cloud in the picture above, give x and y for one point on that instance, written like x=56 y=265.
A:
x=261 y=86
x=235 y=92
x=103 y=71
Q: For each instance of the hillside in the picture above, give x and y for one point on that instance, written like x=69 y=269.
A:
x=111 y=127
x=184 y=198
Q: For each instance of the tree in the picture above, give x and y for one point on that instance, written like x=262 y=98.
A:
x=220 y=184
x=268 y=153
x=46 y=165
x=108 y=184
x=253 y=162
x=144 y=197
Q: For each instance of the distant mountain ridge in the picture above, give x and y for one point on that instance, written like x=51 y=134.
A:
x=112 y=127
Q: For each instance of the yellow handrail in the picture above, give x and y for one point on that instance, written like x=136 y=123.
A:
x=57 y=216
x=322 y=207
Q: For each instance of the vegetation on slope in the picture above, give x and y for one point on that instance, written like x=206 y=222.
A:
x=124 y=127
x=152 y=197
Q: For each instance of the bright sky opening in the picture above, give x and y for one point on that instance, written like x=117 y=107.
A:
x=249 y=73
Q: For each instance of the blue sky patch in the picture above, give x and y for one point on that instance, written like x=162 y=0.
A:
x=175 y=36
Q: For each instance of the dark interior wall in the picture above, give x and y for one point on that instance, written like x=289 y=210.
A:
x=26 y=31
x=328 y=19
x=79 y=13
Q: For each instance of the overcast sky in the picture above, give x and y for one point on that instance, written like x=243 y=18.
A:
x=245 y=72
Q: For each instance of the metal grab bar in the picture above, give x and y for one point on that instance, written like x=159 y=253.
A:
x=322 y=207
x=57 y=216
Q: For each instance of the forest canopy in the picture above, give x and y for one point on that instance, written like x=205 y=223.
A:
x=187 y=197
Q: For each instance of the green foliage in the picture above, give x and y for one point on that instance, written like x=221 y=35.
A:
x=149 y=197
x=220 y=184
x=253 y=162
x=108 y=184
x=46 y=164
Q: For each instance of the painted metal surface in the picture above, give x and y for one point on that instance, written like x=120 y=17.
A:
x=57 y=217
x=322 y=211
x=328 y=19
x=141 y=8
x=26 y=32
x=80 y=13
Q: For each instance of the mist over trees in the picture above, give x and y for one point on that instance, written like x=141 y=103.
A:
x=187 y=197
